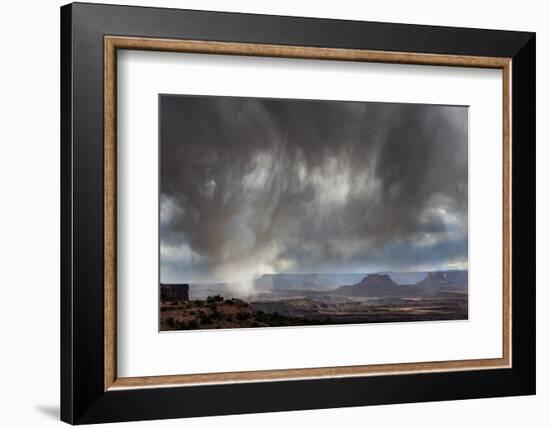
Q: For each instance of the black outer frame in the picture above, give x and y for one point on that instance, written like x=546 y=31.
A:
x=83 y=399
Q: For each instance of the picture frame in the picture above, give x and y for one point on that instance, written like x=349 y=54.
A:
x=91 y=390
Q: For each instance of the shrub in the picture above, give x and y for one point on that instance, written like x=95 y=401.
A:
x=216 y=298
x=216 y=315
x=241 y=316
x=171 y=322
x=192 y=324
x=205 y=319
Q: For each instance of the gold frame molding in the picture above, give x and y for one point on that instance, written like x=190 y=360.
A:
x=113 y=43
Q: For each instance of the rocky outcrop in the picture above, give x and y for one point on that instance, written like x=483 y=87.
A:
x=459 y=278
x=381 y=285
x=377 y=280
x=373 y=285
x=437 y=282
x=434 y=279
x=433 y=283
x=171 y=292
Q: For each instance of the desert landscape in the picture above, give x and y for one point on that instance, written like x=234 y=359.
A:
x=278 y=212
x=299 y=300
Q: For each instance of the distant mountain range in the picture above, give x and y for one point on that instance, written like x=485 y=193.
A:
x=306 y=281
x=350 y=284
x=382 y=285
x=332 y=280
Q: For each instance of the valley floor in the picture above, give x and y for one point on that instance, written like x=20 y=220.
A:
x=215 y=312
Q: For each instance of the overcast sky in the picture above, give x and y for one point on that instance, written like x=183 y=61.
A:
x=252 y=186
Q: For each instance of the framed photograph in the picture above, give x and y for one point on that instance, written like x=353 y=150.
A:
x=265 y=213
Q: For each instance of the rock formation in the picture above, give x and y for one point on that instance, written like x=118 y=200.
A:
x=373 y=285
x=381 y=285
x=170 y=292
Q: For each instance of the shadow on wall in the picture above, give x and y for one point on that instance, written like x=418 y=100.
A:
x=50 y=411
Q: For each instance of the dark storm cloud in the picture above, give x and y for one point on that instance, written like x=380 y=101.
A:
x=250 y=186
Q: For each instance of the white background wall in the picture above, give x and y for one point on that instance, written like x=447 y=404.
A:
x=29 y=215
